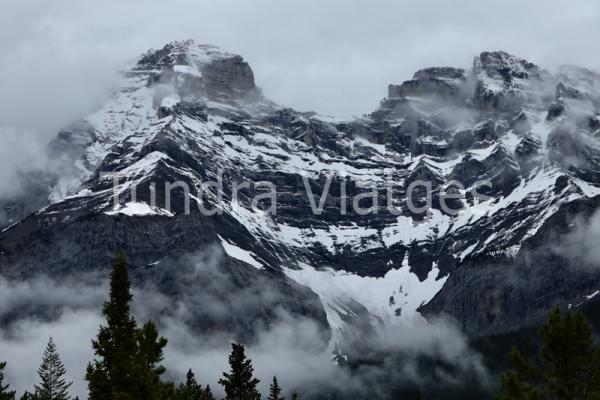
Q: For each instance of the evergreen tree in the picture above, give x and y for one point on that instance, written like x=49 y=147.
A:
x=239 y=383
x=53 y=385
x=28 y=396
x=191 y=390
x=111 y=375
x=569 y=367
x=275 y=391
x=128 y=358
x=148 y=361
x=208 y=393
x=295 y=396
x=168 y=391
x=5 y=394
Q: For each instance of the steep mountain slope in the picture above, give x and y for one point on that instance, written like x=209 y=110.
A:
x=523 y=143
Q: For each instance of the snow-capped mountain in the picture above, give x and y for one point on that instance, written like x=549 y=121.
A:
x=192 y=114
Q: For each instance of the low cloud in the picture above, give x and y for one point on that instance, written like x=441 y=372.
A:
x=22 y=346
x=336 y=57
x=291 y=348
x=580 y=245
x=21 y=153
x=46 y=297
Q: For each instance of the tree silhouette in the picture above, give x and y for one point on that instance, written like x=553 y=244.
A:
x=239 y=383
x=568 y=367
x=275 y=391
x=53 y=385
x=5 y=394
x=148 y=361
x=110 y=376
x=191 y=390
x=128 y=359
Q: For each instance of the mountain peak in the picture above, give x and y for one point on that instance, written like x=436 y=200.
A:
x=200 y=70
x=184 y=52
x=500 y=64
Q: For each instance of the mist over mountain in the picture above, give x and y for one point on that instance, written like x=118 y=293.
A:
x=449 y=213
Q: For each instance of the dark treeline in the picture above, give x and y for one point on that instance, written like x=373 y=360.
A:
x=567 y=366
x=128 y=362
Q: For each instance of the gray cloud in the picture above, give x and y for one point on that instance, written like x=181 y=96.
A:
x=41 y=292
x=580 y=245
x=336 y=57
x=21 y=152
x=22 y=347
x=293 y=348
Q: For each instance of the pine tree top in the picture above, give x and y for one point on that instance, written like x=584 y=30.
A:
x=275 y=390
x=52 y=372
x=5 y=394
x=568 y=366
x=128 y=363
x=239 y=383
x=116 y=309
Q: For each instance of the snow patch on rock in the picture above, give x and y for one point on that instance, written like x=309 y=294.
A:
x=398 y=294
x=240 y=254
x=136 y=209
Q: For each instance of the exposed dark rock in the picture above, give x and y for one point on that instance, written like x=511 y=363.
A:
x=486 y=131
x=556 y=109
x=509 y=68
x=528 y=147
x=441 y=72
x=496 y=291
x=568 y=92
x=468 y=171
x=463 y=140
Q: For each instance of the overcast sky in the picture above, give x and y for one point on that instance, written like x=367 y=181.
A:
x=333 y=56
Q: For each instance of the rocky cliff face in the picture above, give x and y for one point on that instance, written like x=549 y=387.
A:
x=192 y=114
